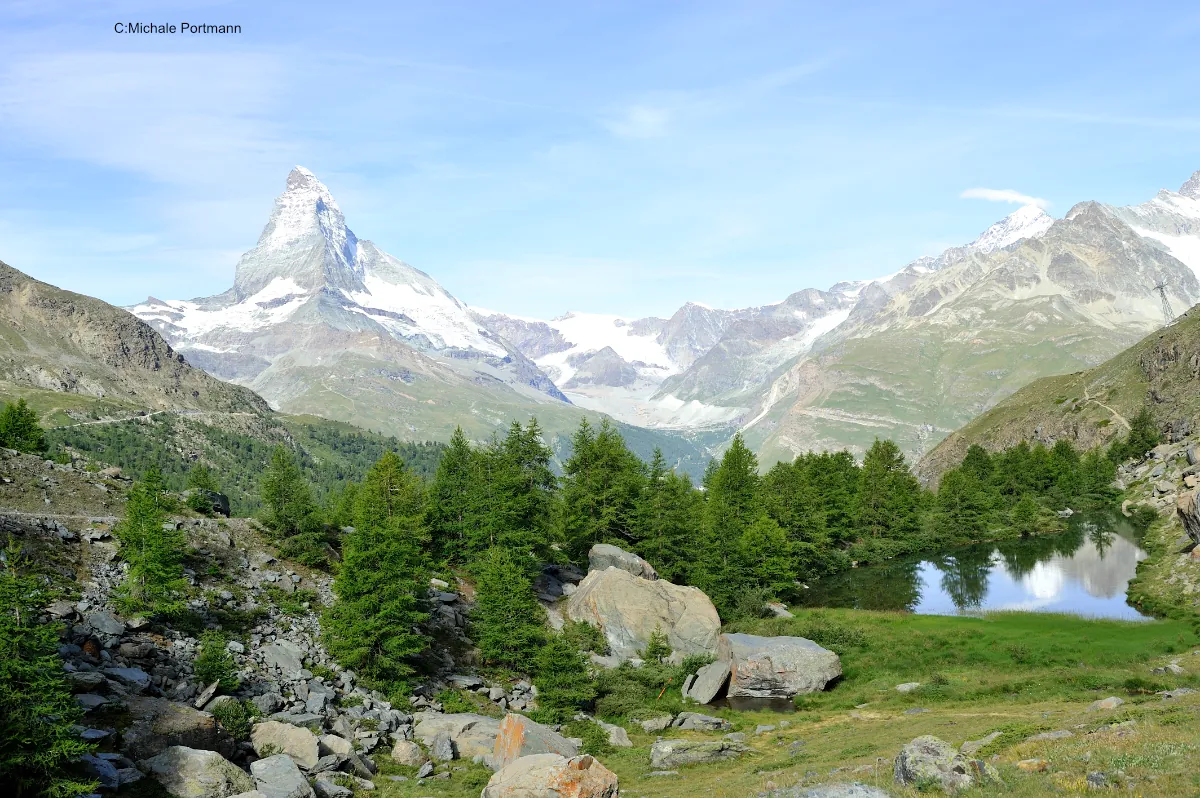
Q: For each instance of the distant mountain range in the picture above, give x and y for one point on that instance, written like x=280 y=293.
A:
x=319 y=321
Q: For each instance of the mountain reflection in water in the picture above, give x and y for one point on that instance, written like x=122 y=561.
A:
x=1085 y=571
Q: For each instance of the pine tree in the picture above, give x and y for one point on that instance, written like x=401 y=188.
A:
x=507 y=622
x=793 y=502
x=286 y=493
x=668 y=514
x=564 y=685
x=516 y=500
x=154 y=551
x=962 y=509
x=20 y=429
x=600 y=490
x=731 y=505
x=1025 y=515
x=37 y=710
x=888 y=495
x=382 y=584
x=766 y=557
x=453 y=499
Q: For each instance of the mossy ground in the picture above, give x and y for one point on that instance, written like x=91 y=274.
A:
x=1018 y=673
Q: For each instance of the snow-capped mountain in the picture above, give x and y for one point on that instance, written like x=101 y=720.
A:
x=320 y=321
x=316 y=315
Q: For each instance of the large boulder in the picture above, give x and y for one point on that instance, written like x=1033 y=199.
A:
x=1188 y=510
x=284 y=656
x=928 y=761
x=272 y=737
x=669 y=754
x=552 y=776
x=709 y=682
x=604 y=555
x=278 y=777
x=776 y=667
x=628 y=609
x=190 y=773
x=157 y=724
x=473 y=735
x=519 y=736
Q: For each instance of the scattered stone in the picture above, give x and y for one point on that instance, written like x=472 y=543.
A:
x=327 y=789
x=1176 y=693
x=617 y=736
x=206 y=695
x=1058 y=734
x=334 y=744
x=709 y=682
x=699 y=722
x=90 y=701
x=764 y=728
x=552 y=775
x=656 y=724
x=278 y=777
x=928 y=760
x=852 y=789
x=668 y=754
x=425 y=770
x=284 y=656
x=103 y=771
x=662 y=773
x=282 y=738
x=907 y=687
x=158 y=724
x=1097 y=780
x=519 y=737
x=408 y=754
x=737 y=737
x=442 y=748
x=190 y=773
x=1112 y=702
x=972 y=747
x=105 y=623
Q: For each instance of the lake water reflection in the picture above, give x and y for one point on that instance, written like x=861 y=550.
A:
x=1085 y=571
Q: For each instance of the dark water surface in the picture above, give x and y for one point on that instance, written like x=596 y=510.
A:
x=1084 y=571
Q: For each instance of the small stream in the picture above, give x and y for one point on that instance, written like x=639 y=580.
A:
x=1083 y=571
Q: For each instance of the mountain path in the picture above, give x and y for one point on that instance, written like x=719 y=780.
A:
x=1120 y=418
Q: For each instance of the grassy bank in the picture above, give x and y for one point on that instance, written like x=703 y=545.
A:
x=1016 y=673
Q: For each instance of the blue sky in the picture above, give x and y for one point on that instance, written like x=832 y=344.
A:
x=594 y=156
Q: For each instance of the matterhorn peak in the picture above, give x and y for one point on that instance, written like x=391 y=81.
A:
x=306 y=241
x=1028 y=221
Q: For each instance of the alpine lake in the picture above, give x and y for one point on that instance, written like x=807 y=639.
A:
x=1083 y=571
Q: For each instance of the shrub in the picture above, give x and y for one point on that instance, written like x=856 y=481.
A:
x=20 y=430
x=214 y=663
x=595 y=739
x=585 y=637
x=236 y=717
x=453 y=701
x=37 y=710
x=564 y=686
x=657 y=649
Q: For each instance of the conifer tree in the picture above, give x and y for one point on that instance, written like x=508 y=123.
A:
x=37 y=711
x=564 y=685
x=453 y=499
x=1025 y=515
x=20 y=428
x=961 y=508
x=731 y=505
x=888 y=495
x=517 y=496
x=668 y=515
x=507 y=622
x=600 y=489
x=766 y=557
x=382 y=583
x=154 y=551
x=286 y=493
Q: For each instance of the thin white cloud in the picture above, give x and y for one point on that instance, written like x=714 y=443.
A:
x=640 y=122
x=1004 y=195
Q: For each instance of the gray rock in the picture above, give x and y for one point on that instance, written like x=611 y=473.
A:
x=191 y=773
x=972 y=747
x=1097 y=780
x=710 y=681
x=101 y=770
x=777 y=667
x=158 y=724
x=105 y=623
x=129 y=776
x=327 y=789
x=308 y=720
x=629 y=609
x=285 y=656
x=206 y=695
x=425 y=770
x=617 y=736
x=1112 y=702
x=408 y=754
x=668 y=754
x=519 y=736
x=334 y=744
x=690 y=721
x=546 y=775
x=907 y=687
x=278 y=777
x=1176 y=693
x=296 y=741
x=268 y=703
x=657 y=724
x=442 y=748
x=1060 y=734
x=603 y=555
x=90 y=701
x=929 y=761
x=764 y=728
x=835 y=790
x=86 y=681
